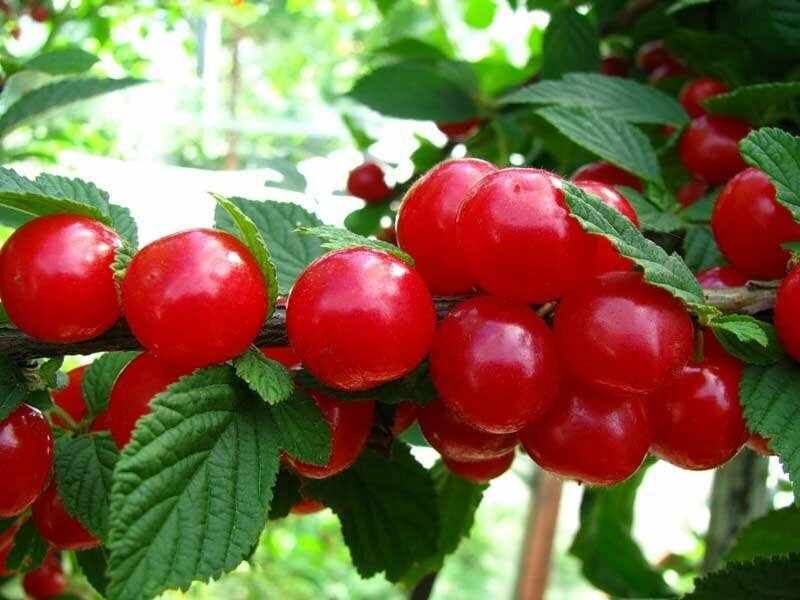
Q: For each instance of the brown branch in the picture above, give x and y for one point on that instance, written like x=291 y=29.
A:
x=751 y=299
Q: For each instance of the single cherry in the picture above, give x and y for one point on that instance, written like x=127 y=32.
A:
x=605 y=172
x=45 y=581
x=668 y=70
x=404 y=416
x=720 y=277
x=697 y=91
x=460 y=131
x=307 y=506
x=614 y=65
x=786 y=311
x=480 y=471
x=709 y=147
x=366 y=182
x=652 y=55
x=691 y=192
x=57 y=526
x=70 y=399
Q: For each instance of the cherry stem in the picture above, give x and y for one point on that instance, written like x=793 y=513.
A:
x=64 y=417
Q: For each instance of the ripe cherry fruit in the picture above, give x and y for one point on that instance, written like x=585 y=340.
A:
x=691 y=192
x=517 y=239
x=697 y=418
x=621 y=335
x=360 y=317
x=750 y=226
x=307 y=506
x=197 y=276
x=45 y=581
x=652 y=55
x=460 y=131
x=70 y=399
x=404 y=417
x=39 y=13
x=26 y=456
x=709 y=147
x=590 y=436
x=452 y=437
x=56 y=280
x=426 y=223
x=786 y=310
x=614 y=65
x=350 y=424
x=605 y=172
x=720 y=277
x=284 y=355
x=672 y=68
x=480 y=471
x=494 y=363
x=57 y=526
x=366 y=182
x=697 y=91
x=138 y=383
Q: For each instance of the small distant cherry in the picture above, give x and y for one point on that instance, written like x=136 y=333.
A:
x=652 y=55
x=45 y=581
x=605 y=172
x=709 y=147
x=697 y=91
x=668 y=70
x=307 y=506
x=460 y=131
x=614 y=65
x=691 y=192
x=57 y=526
x=367 y=182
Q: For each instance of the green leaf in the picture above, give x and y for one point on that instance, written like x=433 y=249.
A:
x=336 y=238
x=759 y=103
x=361 y=139
x=651 y=217
x=777 y=153
x=680 y=5
x=192 y=489
x=388 y=510
x=616 y=141
x=13 y=387
x=748 y=339
x=769 y=577
x=123 y=223
x=268 y=378
x=660 y=269
x=52 y=194
x=84 y=468
x=28 y=549
x=70 y=60
x=426 y=156
x=770 y=396
x=247 y=231
x=614 y=97
x=94 y=563
x=700 y=249
x=409 y=47
x=700 y=211
x=777 y=532
x=367 y=220
x=610 y=558
x=785 y=17
x=57 y=95
x=100 y=377
x=285 y=495
x=715 y=54
x=278 y=221
x=417 y=89
x=302 y=431
x=291 y=178
x=571 y=43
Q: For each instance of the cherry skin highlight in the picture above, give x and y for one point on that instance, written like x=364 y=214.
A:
x=605 y=172
x=26 y=456
x=750 y=226
x=192 y=278
x=480 y=471
x=697 y=91
x=786 y=312
x=697 y=418
x=56 y=278
x=591 y=436
x=138 y=383
x=460 y=131
x=55 y=524
x=350 y=424
x=709 y=148
x=366 y=182
x=426 y=223
x=495 y=364
x=360 y=317
x=621 y=335
x=691 y=192
x=517 y=239
x=45 y=581
x=449 y=435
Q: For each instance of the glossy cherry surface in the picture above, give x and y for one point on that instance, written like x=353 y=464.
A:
x=449 y=435
x=495 y=363
x=55 y=524
x=460 y=131
x=709 y=147
x=720 y=277
x=45 y=581
x=426 y=223
x=787 y=309
x=605 y=172
x=350 y=424
x=622 y=335
x=517 y=239
x=691 y=192
x=590 y=436
x=697 y=91
x=750 y=226
x=367 y=182
x=192 y=278
x=56 y=280
x=480 y=471
x=360 y=317
x=26 y=456
x=697 y=418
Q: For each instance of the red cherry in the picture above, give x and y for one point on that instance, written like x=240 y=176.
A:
x=26 y=456
x=350 y=423
x=57 y=526
x=39 y=13
x=198 y=276
x=284 y=355
x=720 y=277
x=494 y=362
x=404 y=417
x=697 y=418
x=138 y=383
x=715 y=352
x=667 y=70
x=787 y=304
x=426 y=223
x=480 y=471
x=709 y=147
x=622 y=335
x=605 y=172
x=307 y=506
x=691 y=192
x=45 y=581
x=750 y=226
x=758 y=443
x=455 y=439
x=652 y=55
x=517 y=239
x=56 y=278
x=460 y=131
x=70 y=399
x=697 y=91
x=614 y=65
x=606 y=257
x=360 y=317
x=591 y=436
x=366 y=182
